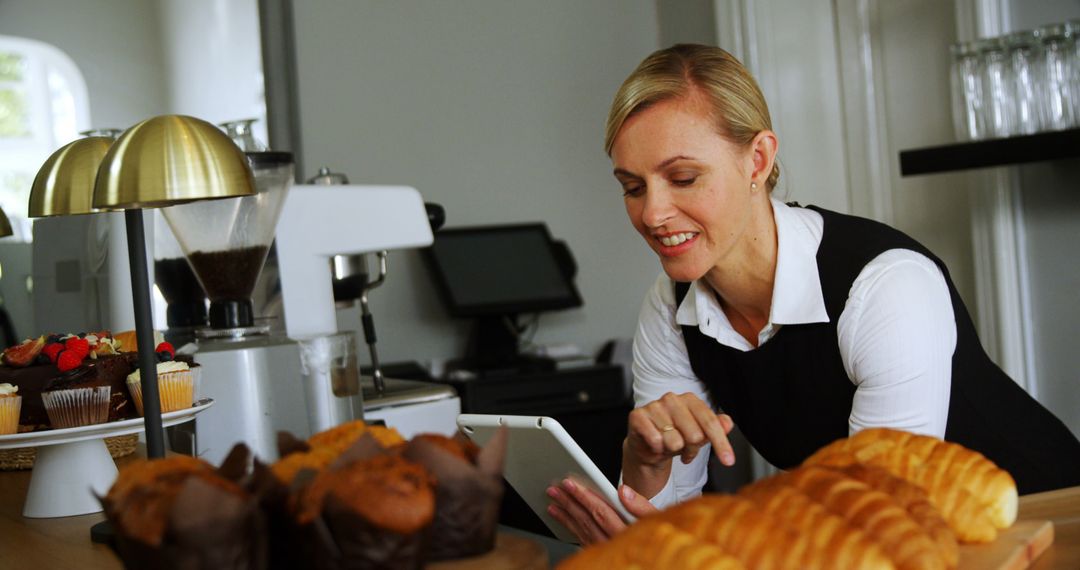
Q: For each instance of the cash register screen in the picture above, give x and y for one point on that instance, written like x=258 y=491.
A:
x=500 y=270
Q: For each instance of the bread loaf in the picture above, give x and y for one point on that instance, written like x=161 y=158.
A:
x=834 y=543
x=882 y=499
x=973 y=495
x=737 y=526
x=915 y=501
x=872 y=511
x=653 y=544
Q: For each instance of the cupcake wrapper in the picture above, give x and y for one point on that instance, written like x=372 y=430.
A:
x=77 y=406
x=135 y=389
x=342 y=540
x=176 y=391
x=9 y=414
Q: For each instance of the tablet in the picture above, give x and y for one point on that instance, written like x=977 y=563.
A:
x=539 y=453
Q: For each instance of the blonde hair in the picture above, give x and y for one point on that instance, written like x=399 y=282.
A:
x=738 y=106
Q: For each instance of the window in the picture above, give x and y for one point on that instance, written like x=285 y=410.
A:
x=43 y=106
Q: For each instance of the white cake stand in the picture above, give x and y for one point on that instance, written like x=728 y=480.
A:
x=73 y=464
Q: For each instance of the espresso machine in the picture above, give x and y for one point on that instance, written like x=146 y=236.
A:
x=409 y=406
x=351 y=220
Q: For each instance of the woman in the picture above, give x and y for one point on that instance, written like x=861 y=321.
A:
x=800 y=324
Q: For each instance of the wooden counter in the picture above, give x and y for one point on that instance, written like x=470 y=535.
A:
x=1062 y=507
x=65 y=542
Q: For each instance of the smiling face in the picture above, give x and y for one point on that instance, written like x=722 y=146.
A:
x=688 y=189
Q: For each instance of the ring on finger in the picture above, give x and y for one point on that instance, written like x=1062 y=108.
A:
x=667 y=428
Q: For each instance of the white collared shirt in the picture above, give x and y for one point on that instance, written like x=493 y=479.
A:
x=896 y=336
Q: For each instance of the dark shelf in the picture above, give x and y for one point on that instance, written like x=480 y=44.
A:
x=997 y=152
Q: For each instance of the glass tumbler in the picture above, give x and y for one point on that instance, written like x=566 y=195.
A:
x=1057 y=62
x=967 y=92
x=1022 y=50
x=999 y=109
x=1072 y=29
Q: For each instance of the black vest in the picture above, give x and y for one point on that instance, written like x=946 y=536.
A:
x=790 y=396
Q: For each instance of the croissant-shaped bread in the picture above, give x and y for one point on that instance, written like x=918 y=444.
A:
x=882 y=499
x=965 y=515
x=913 y=499
x=789 y=532
x=953 y=476
x=653 y=544
x=874 y=512
x=737 y=526
x=836 y=543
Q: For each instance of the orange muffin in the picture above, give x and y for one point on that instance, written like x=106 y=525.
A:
x=468 y=492
x=145 y=491
x=376 y=510
x=286 y=468
x=339 y=438
x=387 y=491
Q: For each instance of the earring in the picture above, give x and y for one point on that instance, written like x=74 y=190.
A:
x=753 y=185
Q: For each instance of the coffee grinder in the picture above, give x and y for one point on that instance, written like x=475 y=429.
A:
x=253 y=376
x=184 y=297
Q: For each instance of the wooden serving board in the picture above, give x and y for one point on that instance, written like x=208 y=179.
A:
x=1015 y=548
x=511 y=553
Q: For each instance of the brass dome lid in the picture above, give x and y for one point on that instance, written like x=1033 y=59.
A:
x=65 y=183
x=171 y=159
x=5 y=224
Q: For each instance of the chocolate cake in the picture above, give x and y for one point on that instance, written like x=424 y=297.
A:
x=106 y=370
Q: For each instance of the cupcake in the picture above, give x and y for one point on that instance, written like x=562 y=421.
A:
x=10 y=404
x=74 y=407
x=176 y=386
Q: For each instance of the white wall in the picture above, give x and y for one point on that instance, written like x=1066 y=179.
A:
x=494 y=109
x=114 y=43
x=122 y=65
x=1051 y=212
x=914 y=38
x=212 y=57
x=850 y=84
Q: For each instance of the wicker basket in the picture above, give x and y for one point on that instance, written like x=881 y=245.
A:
x=23 y=457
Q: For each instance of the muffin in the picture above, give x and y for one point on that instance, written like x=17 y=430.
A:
x=463 y=449
x=176 y=386
x=468 y=492
x=179 y=512
x=145 y=491
x=286 y=469
x=342 y=437
x=371 y=513
x=10 y=404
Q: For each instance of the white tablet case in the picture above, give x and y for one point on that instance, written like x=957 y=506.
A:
x=539 y=453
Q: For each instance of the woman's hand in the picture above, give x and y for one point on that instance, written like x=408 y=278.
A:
x=675 y=425
x=588 y=515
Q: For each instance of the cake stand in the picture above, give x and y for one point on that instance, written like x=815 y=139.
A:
x=73 y=464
